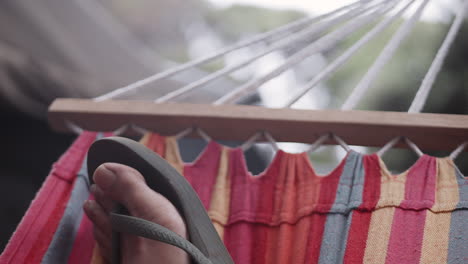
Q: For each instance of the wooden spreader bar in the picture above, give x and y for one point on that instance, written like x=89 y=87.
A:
x=239 y=122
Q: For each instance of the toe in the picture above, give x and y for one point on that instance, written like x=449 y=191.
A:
x=103 y=200
x=104 y=243
x=98 y=216
x=101 y=230
x=127 y=186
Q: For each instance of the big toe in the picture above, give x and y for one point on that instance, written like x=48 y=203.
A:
x=127 y=186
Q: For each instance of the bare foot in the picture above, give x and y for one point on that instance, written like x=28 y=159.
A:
x=125 y=185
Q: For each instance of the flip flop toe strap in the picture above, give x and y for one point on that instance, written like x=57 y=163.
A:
x=140 y=227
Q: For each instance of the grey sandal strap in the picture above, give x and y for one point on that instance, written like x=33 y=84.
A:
x=140 y=227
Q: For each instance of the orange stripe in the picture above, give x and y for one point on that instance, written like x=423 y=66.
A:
x=144 y=140
x=220 y=199
x=288 y=242
x=172 y=154
x=97 y=256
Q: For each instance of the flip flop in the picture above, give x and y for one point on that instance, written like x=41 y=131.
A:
x=205 y=245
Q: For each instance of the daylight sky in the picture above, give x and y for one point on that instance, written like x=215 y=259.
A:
x=310 y=6
x=432 y=12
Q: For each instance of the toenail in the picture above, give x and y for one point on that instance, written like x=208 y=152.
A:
x=104 y=177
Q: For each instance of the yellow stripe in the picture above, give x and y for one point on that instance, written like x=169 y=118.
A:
x=447 y=194
x=379 y=235
x=392 y=192
x=172 y=154
x=436 y=237
x=145 y=138
x=437 y=227
x=220 y=199
x=392 y=188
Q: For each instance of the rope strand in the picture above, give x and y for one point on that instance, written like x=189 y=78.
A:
x=241 y=44
x=325 y=42
x=343 y=58
x=386 y=54
x=314 y=30
x=423 y=92
x=458 y=150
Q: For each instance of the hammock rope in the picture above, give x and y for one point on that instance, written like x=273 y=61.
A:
x=337 y=25
x=423 y=92
x=325 y=42
x=343 y=58
x=292 y=39
x=267 y=36
x=385 y=55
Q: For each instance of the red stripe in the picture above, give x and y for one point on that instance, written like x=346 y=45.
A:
x=157 y=144
x=359 y=229
x=317 y=226
x=201 y=174
x=239 y=240
x=406 y=237
x=47 y=232
x=248 y=235
x=357 y=237
x=372 y=182
x=239 y=236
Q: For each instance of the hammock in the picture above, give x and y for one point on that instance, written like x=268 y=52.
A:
x=357 y=213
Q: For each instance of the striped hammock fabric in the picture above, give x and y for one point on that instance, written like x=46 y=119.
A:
x=358 y=213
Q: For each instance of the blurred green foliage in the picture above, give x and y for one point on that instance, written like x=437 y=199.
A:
x=238 y=21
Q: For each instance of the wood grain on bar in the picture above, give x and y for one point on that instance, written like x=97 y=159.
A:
x=239 y=122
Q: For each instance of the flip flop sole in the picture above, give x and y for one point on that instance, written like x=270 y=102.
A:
x=164 y=179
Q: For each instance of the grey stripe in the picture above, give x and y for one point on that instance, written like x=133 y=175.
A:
x=358 y=185
x=62 y=242
x=458 y=238
x=339 y=221
x=462 y=189
x=354 y=201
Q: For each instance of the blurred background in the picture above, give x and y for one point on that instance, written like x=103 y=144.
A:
x=85 y=48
